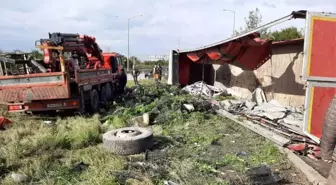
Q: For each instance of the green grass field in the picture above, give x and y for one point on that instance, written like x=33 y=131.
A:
x=191 y=147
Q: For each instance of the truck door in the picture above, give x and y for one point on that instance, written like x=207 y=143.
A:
x=114 y=64
x=319 y=70
x=120 y=66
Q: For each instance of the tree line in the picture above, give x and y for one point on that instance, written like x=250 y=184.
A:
x=145 y=63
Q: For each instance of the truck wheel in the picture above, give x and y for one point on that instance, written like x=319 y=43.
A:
x=94 y=101
x=108 y=92
x=103 y=96
x=128 y=141
x=113 y=91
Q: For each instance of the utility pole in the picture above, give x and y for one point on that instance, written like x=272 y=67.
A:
x=234 y=20
x=128 y=38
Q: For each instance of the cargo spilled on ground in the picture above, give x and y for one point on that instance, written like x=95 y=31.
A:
x=191 y=146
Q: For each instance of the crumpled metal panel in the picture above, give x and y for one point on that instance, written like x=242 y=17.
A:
x=248 y=53
x=34 y=93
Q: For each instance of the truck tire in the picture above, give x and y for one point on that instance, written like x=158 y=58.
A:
x=328 y=139
x=113 y=91
x=128 y=141
x=108 y=92
x=94 y=101
x=103 y=94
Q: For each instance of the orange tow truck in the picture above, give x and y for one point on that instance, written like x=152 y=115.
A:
x=74 y=75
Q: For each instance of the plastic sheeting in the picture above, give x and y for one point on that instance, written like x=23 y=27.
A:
x=201 y=88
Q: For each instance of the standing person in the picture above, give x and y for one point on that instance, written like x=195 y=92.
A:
x=159 y=72
x=122 y=81
x=135 y=74
x=328 y=140
x=155 y=72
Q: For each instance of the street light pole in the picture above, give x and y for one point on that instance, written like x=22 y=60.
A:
x=128 y=36
x=128 y=44
x=234 y=20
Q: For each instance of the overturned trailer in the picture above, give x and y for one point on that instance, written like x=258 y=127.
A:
x=248 y=52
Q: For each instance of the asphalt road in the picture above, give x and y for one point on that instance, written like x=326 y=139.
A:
x=140 y=77
x=142 y=74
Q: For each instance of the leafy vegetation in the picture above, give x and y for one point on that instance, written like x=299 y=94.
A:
x=285 y=34
x=144 y=64
x=191 y=147
x=37 y=54
x=254 y=20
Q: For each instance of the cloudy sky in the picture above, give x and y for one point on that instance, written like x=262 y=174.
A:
x=165 y=24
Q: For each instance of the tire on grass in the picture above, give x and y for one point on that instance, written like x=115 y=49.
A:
x=128 y=141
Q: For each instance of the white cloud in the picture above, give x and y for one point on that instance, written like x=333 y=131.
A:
x=194 y=22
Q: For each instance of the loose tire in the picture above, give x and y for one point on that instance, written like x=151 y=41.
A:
x=128 y=141
x=94 y=101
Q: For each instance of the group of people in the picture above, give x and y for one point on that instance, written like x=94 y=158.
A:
x=157 y=74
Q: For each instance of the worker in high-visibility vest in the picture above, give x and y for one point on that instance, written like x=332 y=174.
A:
x=155 y=73
x=122 y=81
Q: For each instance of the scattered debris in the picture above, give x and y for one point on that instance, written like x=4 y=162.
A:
x=3 y=166
x=285 y=121
x=258 y=96
x=270 y=114
x=145 y=118
x=4 y=122
x=19 y=177
x=241 y=154
x=297 y=147
x=145 y=165
x=48 y=122
x=138 y=121
x=169 y=183
x=184 y=144
x=79 y=167
x=158 y=102
x=263 y=175
x=311 y=150
x=189 y=107
x=201 y=88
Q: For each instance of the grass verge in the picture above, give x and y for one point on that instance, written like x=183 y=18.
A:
x=191 y=147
